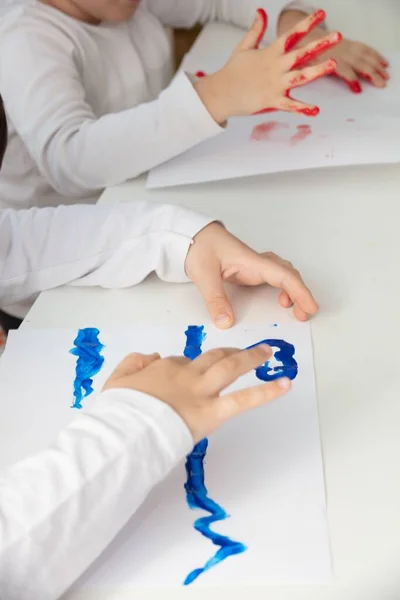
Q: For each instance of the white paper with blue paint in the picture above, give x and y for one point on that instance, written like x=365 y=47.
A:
x=263 y=470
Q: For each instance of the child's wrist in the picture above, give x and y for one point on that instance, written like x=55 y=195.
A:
x=210 y=90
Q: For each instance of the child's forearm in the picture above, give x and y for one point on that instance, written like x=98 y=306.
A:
x=61 y=508
x=112 y=246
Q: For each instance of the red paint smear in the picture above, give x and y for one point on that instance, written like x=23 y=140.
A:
x=365 y=76
x=200 y=74
x=297 y=80
x=264 y=17
x=303 y=131
x=350 y=120
x=308 y=112
x=261 y=132
x=384 y=75
x=319 y=48
x=296 y=37
x=354 y=86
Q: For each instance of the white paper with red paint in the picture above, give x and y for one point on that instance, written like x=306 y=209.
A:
x=351 y=129
x=264 y=468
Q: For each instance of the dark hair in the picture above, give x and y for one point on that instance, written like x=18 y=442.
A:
x=3 y=131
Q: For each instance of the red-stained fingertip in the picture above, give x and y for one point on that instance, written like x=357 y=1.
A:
x=264 y=18
x=365 y=76
x=331 y=65
x=309 y=112
x=319 y=16
x=354 y=86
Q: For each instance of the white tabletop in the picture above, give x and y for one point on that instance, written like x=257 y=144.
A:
x=341 y=229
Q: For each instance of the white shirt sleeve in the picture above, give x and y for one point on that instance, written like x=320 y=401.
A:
x=181 y=13
x=76 y=151
x=112 y=246
x=61 y=508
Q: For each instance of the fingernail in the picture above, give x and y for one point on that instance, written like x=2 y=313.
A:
x=223 y=320
x=284 y=383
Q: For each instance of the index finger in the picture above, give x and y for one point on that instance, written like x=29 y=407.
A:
x=288 y=41
x=221 y=374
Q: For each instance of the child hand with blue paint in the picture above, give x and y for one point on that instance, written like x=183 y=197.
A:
x=355 y=61
x=192 y=388
x=217 y=256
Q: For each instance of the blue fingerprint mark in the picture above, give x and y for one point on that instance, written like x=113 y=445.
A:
x=87 y=347
x=285 y=355
x=196 y=491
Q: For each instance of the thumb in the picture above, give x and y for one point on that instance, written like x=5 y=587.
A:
x=254 y=36
x=212 y=289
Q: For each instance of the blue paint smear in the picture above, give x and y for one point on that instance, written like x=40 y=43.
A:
x=285 y=354
x=196 y=491
x=88 y=350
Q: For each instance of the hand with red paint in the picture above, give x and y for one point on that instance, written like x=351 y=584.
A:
x=192 y=388
x=355 y=61
x=255 y=80
x=217 y=256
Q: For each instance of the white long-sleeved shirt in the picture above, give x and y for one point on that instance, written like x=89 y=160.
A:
x=52 y=523
x=112 y=246
x=92 y=106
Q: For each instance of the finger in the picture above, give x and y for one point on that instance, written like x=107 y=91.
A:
x=299 y=293
x=212 y=289
x=201 y=364
x=294 y=106
x=298 y=58
x=372 y=76
x=299 y=78
x=299 y=313
x=350 y=78
x=131 y=364
x=291 y=282
x=233 y=405
x=295 y=35
x=254 y=36
x=220 y=375
x=285 y=300
x=374 y=58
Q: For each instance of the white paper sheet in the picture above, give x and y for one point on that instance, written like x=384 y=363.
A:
x=265 y=468
x=352 y=129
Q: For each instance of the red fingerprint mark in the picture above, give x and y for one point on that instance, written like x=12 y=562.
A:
x=261 y=132
x=303 y=131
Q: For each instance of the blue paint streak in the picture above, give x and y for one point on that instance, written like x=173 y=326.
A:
x=285 y=355
x=196 y=491
x=88 y=350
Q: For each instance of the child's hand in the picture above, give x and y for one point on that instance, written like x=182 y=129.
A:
x=255 y=81
x=192 y=388
x=217 y=256
x=354 y=60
